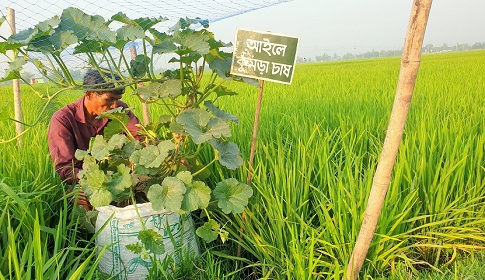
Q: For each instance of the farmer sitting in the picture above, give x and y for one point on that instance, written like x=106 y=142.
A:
x=72 y=126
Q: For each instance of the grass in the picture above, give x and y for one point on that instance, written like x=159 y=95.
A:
x=319 y=141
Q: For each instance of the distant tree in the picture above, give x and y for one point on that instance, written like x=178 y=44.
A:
x=324 y=57
x=444 y=47
x=478 y=46
x=428 y=48
x=348 y=56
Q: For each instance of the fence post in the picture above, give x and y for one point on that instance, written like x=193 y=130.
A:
x=410 y=61
x=15 y=82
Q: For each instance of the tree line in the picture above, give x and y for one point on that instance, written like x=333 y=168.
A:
x=429 y=48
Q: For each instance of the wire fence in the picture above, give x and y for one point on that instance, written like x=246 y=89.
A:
x=28 y=13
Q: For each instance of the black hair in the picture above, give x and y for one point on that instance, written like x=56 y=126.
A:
x=103 y=81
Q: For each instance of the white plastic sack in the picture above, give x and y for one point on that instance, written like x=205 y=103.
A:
x=122 y=227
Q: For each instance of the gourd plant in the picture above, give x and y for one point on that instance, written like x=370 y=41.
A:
x=162 y=163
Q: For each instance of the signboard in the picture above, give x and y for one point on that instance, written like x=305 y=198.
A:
x=265 y=56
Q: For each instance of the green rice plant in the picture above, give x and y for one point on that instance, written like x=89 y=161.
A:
x=435 y=203
x=38 y=244
x=319 y=141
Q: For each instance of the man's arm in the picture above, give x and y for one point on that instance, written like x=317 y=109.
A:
x=62 y=149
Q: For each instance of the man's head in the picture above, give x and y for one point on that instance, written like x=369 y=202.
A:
x=103 y=81
x=102 y=91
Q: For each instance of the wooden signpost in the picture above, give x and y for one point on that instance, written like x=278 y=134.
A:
x=263 y=56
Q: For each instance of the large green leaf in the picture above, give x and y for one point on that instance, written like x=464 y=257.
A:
x=44 y=28
x=169 y=195
x=199 y=124
x=90 y=46
x=152 y=156
x=100 y=197
x=6 y=46
x=232 y=195
x=159 y=37
x=120 y=182
x=91 y=178
x=139 y=65
x=42 y=44
x=229 y=154
x=145 y=23
x=155 y=90
x=93 y=182
x=130 y=33
x=218 y=128
x=193 y=40
x=209 y=231
x=15 y=66
x=220 y=113
x=80 y=154
x=98 y=147
x=164 y=47
x=185 y=23
x=135 y=158
x=197 y=195
x=86 y=27
x=11 y=75
x=148 y=93
x=117 y=142
x=119 y=117
x=62 y=40
x=221 y=66
x=152 y=241
x=184 y=176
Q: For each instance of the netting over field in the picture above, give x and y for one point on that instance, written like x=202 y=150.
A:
x=28 y=13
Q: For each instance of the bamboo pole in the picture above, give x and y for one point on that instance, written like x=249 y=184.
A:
x=407 y=78
x=144 y=106
x=255 y=131
x=253 y=149
x=15 y=82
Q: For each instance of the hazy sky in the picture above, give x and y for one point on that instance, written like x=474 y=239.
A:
x=341 y=26
x=323 y=26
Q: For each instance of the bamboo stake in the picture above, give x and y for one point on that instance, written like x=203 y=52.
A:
x=407 y=78
x=255 y=131
x=15 y=82
x=253 y=148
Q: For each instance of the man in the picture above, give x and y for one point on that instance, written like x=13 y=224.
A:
x=72 y=127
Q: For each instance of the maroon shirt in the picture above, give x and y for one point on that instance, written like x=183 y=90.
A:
x=69 y=131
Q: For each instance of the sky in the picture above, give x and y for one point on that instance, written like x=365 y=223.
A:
x=343 y=26
x=357 y=26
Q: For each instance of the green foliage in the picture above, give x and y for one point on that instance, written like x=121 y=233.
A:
x=232 y=195
x=162 y=162
x=313 y=170
x=158 y=164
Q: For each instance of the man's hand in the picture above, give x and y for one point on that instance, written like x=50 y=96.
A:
x=81 y=198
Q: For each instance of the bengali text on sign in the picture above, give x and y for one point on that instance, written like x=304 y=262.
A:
x=263 y=55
